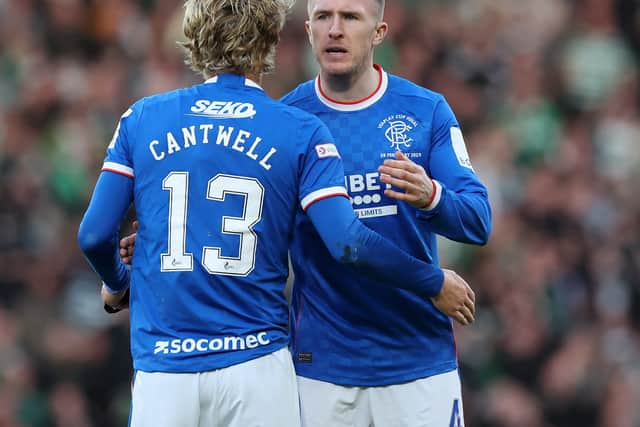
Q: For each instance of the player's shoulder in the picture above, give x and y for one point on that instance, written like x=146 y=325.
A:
x=298 y=118
x=160 y=101
x=402 y=87
x=293 y=103
x=301 y=127
x=300 y=95
x=169 y=97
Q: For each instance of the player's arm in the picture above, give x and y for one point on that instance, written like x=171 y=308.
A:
x=450 y=195
x=455 y=298
x=98 y=232
x=351 y=242
x=324 y=198
x=112 y=196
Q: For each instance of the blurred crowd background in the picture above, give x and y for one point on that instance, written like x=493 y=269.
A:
x=548 y=96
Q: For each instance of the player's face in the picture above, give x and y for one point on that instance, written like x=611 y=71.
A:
x=343 y=34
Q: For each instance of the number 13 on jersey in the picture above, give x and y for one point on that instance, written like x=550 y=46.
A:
x=178 y=259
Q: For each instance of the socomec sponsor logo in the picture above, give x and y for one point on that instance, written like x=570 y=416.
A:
x=205 y=345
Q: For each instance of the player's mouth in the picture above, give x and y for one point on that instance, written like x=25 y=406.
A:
x=335 y=51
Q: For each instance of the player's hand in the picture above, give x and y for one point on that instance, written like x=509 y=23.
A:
x=115 y=302
x=127 y=244
x=409 y=176
x=456 y=299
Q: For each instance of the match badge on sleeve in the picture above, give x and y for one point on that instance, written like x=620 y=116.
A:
x=327 y=150
x=460 y=148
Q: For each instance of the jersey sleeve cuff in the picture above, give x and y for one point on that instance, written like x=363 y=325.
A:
x=435 y=199
x=435 y=283
x=113 y=291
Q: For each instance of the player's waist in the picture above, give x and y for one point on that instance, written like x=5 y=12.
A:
x=363 y=375
x=210 y=344
x=193 y=353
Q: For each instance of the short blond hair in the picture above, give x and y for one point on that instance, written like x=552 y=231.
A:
x=238 y=36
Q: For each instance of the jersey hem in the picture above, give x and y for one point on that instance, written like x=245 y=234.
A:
x=379 y=382
x=192 y=365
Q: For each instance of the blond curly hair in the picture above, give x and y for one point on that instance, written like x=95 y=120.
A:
x=237 y=36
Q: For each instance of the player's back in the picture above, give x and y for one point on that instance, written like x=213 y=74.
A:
x=218 y=178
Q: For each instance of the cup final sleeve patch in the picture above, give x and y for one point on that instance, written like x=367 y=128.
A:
x=460 y=148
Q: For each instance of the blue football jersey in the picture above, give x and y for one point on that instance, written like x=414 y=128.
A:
x=348 y=329
x=219 y=171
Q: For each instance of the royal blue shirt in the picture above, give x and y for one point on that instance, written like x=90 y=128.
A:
x=218 y=173
x=351 y=330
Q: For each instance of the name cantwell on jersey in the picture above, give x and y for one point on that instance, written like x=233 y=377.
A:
x=220 y=135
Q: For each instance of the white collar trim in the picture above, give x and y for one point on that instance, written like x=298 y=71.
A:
x=360 y=105
x=247 y=82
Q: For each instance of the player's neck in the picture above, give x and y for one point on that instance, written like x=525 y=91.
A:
x=350 y=87
x=257 y=78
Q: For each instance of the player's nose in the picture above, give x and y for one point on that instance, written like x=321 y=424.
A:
x=335 y=30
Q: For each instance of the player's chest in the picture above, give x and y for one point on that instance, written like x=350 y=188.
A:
x=366 y=138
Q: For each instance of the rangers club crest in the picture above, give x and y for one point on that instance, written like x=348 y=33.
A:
x=397 y=130
x=396 y=133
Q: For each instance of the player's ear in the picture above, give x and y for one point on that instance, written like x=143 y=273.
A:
x=307 y=27
x=381 y=33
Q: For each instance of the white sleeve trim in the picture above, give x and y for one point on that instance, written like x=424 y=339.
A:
x=118 y=168
x=323 y=193
x=111 y=291
x=436 y=199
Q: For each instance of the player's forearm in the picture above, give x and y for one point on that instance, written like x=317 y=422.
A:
x=98 y=232
x=463 y=217
x=105 y=261
x=463 y=213
x=388 y=264
x=350 y=241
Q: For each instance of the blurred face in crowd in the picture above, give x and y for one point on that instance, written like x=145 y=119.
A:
x=343 y=34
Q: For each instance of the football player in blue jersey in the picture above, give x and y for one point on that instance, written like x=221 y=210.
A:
x=220 y=175
x=365 y=354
